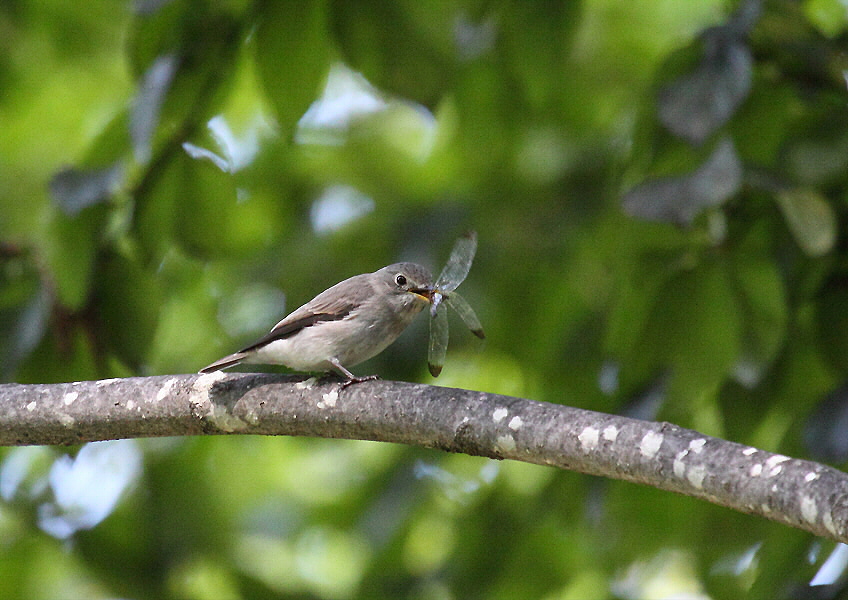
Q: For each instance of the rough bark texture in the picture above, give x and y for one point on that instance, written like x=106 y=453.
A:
x=796 y=492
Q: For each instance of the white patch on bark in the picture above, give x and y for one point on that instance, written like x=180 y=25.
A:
x=203 y=406
x=610 y=433
x=165 y=390
x=811 y=476
x=696 y=476
x=204 y=383
x=588 y=439
x=756 y=470
x=773 y=464
x=226 y=420
x=31 y=406
x=516 y=423
x=499 y=414
x=749 y=451
x=328 y=400
x=697 y=445
x=69 y=398
x=827 y=521
x=775 y=460
x=505 y=443
x=650 y=444
x=809 y=510
x=306 y=384
x=678 y=465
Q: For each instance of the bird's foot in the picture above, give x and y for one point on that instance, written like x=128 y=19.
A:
x=352 y=380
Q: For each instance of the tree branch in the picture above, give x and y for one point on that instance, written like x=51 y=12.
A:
x=795 y=492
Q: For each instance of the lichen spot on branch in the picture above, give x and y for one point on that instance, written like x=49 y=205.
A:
x=650 y=444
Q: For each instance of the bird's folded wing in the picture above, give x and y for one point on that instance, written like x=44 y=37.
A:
x=288 y=327
x=333 y=304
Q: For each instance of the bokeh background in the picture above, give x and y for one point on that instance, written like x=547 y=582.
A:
x=659 y=189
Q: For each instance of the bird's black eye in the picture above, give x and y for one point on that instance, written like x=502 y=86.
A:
x=400 y=280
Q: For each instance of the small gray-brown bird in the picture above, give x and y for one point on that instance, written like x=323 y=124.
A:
x=344 y=325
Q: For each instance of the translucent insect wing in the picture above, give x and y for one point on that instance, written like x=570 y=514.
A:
x=466 y=313
x=438 y=341
x=459 y=263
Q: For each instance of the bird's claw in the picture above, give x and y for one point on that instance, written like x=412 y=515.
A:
x=352 y=380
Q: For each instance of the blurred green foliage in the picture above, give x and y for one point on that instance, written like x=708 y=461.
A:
x=659 y=190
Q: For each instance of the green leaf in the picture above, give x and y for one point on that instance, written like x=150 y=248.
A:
x=414 y=58
x=810 y=219
x=819 y=157
x=633 y=303
x=70 y=246
x=128 y=301
x=832 y=322
x=189 y=335
x=193 y=204
x=154 y=33
x=111 y=145
x=67 y=355
x=293 y=54
x=828 y=16
x=695 y=328
x=211 y=204
x=155 y=214
x=184 y=55
x=534 y=47
x=24 y=311
x=772 y=102
x=762 y=299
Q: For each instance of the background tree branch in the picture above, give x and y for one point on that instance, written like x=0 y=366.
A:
x=800 y=493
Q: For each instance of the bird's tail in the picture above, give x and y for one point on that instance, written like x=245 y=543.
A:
x=223 y=363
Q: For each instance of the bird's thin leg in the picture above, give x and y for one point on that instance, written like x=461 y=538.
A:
x=351 y=378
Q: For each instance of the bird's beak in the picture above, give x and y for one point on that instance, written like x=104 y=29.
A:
x=425 y=293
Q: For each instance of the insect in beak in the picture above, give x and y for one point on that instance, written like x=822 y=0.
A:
x=436 y=298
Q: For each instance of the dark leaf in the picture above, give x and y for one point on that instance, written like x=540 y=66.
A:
x=128 y=301
x=646 y=403
x=679 y=200
x=75 y=189
x=826 y=431
x=191 y=198
x=183 y=55
x=293 y=56
x=415 y=57
x=817 y=155
x=148 y=104
x=761 y=293
x=832 y=326
x=148 y=7
x=159 y=32
x=695 y=328
x=695 y=105
x=24 y=312
x=70 y=250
